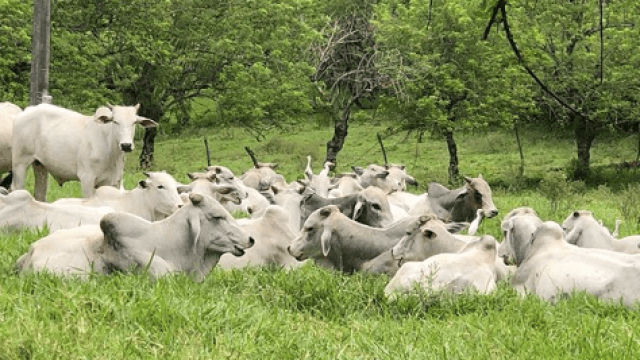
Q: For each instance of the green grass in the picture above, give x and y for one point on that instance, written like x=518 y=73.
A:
x=317 y=314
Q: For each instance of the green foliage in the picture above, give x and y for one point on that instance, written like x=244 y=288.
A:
x=454 y=82
x=15 y=42
x=630 y=198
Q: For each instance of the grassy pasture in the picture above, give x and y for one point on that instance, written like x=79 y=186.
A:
x=317 y=314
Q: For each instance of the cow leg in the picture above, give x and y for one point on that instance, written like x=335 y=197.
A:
x=88 y=184
x=19 y=173
x=42 y=181
x=153 y=264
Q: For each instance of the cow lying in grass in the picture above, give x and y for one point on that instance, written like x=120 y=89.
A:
x=19 y=209
x=192 y=240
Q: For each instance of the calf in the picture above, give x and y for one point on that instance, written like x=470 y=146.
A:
x=272 y=235
x=473 y=268
x=550 y=267
x=341 y=242
x=460 y=204
x=8 y=113
x=585 y=231
x=155 y=198
x=19 y=209
x=192 y=240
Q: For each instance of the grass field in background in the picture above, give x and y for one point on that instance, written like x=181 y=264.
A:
x=317 y=314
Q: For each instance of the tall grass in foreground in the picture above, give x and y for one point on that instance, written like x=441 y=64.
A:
x=318 y=314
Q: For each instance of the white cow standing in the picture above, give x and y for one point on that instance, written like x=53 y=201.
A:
x=8 y=113
x=72 y=146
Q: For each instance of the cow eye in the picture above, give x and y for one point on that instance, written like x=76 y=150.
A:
x=376 y=206
x=478 y=196
x=160 y=186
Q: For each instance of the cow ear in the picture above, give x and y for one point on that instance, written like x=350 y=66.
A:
x=145 y=122
x=507 y=225
x=143 y=184
x=456 y=227
x=357 y=211
x=462 y=193
x=192 y=176
x=402 y=167
x=137 y=107
x=576 y=214
x=183 y=189
x=358 y=170
x=103 y=115
x=218 y=170
x=213 y=177
x=194 y=229
x=467 y=179
x=325 y=241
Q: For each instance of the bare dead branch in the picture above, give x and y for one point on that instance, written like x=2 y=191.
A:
x=252 y=155
x=501 y=5
x=384 y=153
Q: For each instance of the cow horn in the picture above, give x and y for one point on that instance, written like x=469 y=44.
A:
x=467 y=179
x=110 y=106
x=137 y=107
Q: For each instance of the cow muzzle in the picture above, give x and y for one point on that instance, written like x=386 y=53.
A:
x=490 y=213
x=126 y=147
x=237 y=250
x=299 y=256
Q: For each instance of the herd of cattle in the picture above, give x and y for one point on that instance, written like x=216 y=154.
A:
x=362 y=221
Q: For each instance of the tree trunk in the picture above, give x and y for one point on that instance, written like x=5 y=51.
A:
x=142 y=92
x=339 y=136
x=453 y=156
x=585 y=134
x=41 y=51
x=146 y=155
x=515 y=129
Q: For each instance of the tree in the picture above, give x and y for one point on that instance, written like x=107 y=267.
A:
x=15 y=41
x=350 y=69
x=456 y=81
x=580 y=55
x=245 y=59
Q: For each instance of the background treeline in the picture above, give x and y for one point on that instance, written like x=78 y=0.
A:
x=426 y=66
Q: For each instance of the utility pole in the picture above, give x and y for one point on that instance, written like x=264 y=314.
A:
x=40 y=52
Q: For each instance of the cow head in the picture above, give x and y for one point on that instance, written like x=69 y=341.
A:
x=161 y=193
x=475 y=195
x=425 y=237
x=316 y=234
x=372 y=208
x=572 y=220
x=518 y=232
x=17 y=197
x=375 y=175
x=123 y=119
x=223 y=176
x=399 y=172
x=214 y=229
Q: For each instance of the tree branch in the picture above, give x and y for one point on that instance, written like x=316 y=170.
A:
x=501 y=5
